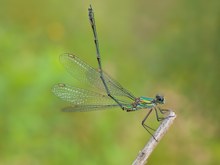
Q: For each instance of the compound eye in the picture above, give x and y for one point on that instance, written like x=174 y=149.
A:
x=159 y=98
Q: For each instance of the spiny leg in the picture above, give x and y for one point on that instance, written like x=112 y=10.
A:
x=145 y=118
x=146 y=126
x=92 y=22
x=158 y=118
x=162 y=111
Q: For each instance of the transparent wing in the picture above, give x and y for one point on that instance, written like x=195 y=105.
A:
x=87 y=74
x=78 y=96
x=83 y=100
x=86 y=108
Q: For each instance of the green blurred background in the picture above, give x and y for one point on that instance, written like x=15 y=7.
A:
x=169 y=47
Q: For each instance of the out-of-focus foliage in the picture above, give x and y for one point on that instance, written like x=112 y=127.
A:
x=169 y=47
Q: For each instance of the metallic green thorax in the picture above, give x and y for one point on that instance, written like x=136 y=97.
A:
x=141 y=103
x=145 y=102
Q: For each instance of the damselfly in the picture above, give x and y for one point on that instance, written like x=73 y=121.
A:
x=108 y=93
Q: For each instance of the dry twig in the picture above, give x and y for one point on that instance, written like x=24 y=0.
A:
x=152 y=143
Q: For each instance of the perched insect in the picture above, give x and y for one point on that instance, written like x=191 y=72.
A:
x=106 y=93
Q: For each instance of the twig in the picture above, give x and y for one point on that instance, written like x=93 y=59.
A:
x=152 y=143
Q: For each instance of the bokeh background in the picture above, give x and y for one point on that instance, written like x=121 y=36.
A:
x=169 y=47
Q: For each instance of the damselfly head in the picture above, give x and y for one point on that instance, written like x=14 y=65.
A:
x=159 y=99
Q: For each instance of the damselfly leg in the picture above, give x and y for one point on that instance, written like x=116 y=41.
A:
x=146 y=126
